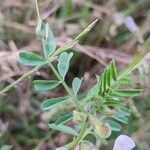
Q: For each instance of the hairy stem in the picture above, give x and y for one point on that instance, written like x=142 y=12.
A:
x=69 y=91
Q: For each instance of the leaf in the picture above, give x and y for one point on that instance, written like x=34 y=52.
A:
x=92 y=92
x=41 y=29
x=101 y=84
x=30 y=59
x=76 y=84
x=42 y=85
x=51 y=103
x=113 y=103
x=125 y=111
x=63 y=128
x=6 y=147
x=113 y=70
x=114 y=125
x=107 y=78
x=63 y=63
x=49 y=43
x=64 y=119
x=126 y=92
x=120 y=117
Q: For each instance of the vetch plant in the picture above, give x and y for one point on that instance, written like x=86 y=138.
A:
x=104 y=108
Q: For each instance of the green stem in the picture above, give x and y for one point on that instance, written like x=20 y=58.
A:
x=78 y=139
x=66 y=47
x=69 y=91
x=26 y=75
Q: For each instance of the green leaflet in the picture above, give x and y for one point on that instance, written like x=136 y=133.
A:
x=92 y=92
x=49 y=43
x=126 y=92
x=113 y=103
x=51 y=103
x=114 y=125
x=125 y=111
x=113 y=70
x=40 y=29
x=63 y=128
x=6 y=147
x=42 y=85
x=120 y=117
x=107 y=78
x=76 y=84
x=31 y=59
x=63 y=63
x=64 y=119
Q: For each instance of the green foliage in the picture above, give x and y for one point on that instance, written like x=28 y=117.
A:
x=114 y=125
x=63 y=63
x=105 y=99
x=49 y=43
x=120 y=117
x=76 y=85
x=63 y=128
x=107 y=78
x=6 y=147
x=42 y=85
x=51 y=103
x=40 y=29
x=126 y=92
x=31 y=59
x=64 y=119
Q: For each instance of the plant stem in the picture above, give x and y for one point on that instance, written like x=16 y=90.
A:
x=69 y=91
x=37 y=9
x=79 y=138
x=7 y=88
x=66 y=47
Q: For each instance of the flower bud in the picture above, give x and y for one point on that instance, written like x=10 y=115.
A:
x=103 y=130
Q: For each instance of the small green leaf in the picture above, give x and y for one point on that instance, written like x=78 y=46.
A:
x=63 y=128
x=104 y=80
x=113 y=103
x=64 y=119
x=113 y=70
x=6 y=147
x=42 y=85
x=30 y=59
x=51 y=103
x=92 y=92
x=101 y=91
x=120 y=117
x=125 y=111
x=109 y=77
x=40 y=29
x=114 y=125
x=126 y=92
x=63 y=63
x=49 y=43
x=76 y=84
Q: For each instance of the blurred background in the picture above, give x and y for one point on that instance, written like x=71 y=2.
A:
x=123 y=26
